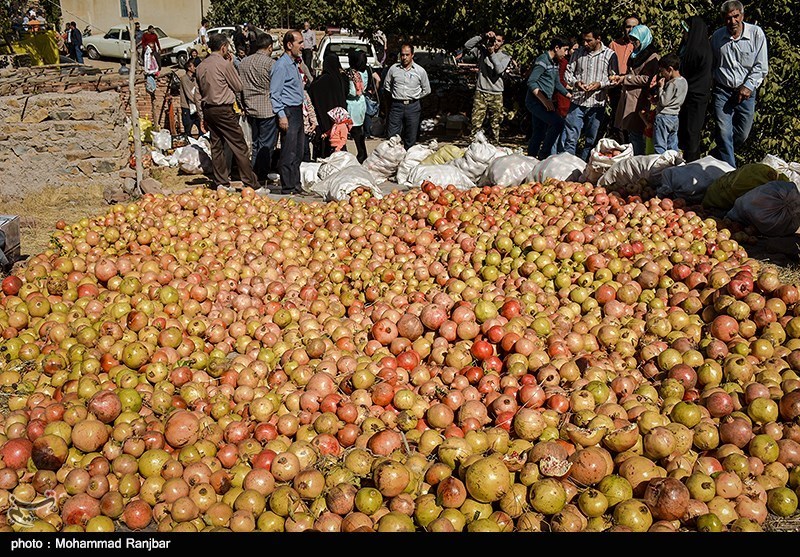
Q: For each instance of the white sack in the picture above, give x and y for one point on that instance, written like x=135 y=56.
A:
x=338 y=186
x=561 y=166
x=162 y=140
x=247 y=131
x=385 y=158
x=309 y=175
x=336 y=162
x=508 y=170
x=415 y=155
x=160 y=159
x=476 y=158
x=690 y=181
x=193 y=159
x=789 y=169
x=640 y=169
x=772 y=208
x=441 y=175
x=601 y=160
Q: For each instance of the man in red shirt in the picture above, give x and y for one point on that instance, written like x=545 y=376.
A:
x=150 y=38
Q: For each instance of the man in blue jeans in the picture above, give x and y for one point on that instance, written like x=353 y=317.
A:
x=406 y=83
x=588 y=75
x=286 y=94
x=546 y=124
x=740 y=65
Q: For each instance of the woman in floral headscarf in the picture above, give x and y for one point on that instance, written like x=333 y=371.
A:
x=634 y=102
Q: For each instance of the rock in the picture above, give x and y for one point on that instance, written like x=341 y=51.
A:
x=39 y=115
x=19 y=149
x=114 y=193
x=127 y=172
x=82 y=115
x=151 y=185
x=129 y=185
x=86 y=167
x=77 y=155
x=59 y=114
x=105 y=166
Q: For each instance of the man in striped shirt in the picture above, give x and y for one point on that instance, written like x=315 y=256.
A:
x=254 y=71
x=588 y=76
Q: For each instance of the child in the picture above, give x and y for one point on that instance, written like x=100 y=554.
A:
x=672 y=90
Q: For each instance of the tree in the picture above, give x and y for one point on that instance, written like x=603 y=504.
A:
x=270 y=15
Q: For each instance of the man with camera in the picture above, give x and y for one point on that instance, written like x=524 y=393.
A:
x=492 y=64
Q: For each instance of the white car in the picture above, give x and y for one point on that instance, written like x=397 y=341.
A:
x=342 y=46
x=116 y=43
x=181 y=51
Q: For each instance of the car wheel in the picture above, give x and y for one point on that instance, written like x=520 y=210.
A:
x=181 y=59
x=92 y=53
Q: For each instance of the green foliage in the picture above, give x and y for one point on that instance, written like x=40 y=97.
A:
x=271 y=15
x=529 y=24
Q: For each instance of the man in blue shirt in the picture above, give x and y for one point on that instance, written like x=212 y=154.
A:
x=286 y=94
x=546 y=124
x=740 y=65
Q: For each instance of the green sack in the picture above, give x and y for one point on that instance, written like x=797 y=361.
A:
x=724 y=192
x=444 y=154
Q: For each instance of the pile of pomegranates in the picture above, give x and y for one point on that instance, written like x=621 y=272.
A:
x=549 y=357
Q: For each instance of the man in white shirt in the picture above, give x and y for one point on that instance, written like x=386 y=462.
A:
x=740 y=66
x=406 y=83
x=309 y=43
x=202 y=34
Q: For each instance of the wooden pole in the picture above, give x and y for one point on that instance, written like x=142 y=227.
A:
x=137 y=139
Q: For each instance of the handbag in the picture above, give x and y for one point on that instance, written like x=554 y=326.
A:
x=372 y=106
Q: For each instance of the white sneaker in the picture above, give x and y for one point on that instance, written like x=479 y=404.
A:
x=225 y=188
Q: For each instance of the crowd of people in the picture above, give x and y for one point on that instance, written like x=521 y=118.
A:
x=576 y=92
x=314 y=116
x=28 y=22
x=655 y=101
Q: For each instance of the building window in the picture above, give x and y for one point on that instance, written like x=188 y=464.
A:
x=123 y=8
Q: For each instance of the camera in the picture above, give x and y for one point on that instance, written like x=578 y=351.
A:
x=489 y=40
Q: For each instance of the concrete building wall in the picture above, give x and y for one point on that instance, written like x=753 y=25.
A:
x=178 y=18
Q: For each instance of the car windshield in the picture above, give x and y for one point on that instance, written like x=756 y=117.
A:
x=433 y=59
x=344 y=49
x=160 y=33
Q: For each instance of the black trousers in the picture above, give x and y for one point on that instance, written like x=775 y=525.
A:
x=358 y=137
x=293 y=145
x=690 y=124
x=308 y=53
x=404 y=121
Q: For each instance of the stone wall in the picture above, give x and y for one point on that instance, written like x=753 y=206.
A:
x=68 y=125
x=54 y=139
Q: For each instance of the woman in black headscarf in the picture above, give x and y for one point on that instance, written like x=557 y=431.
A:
x=328 y=91
x=696 y=66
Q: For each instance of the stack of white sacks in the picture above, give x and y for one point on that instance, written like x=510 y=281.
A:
x=773 y=209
